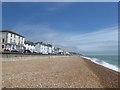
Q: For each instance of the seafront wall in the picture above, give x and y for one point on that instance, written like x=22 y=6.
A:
x=20 y=57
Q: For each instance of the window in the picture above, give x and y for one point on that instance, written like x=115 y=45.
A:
x=2 y=46
x=3 y=40
x=14 y=41
x=10 y=40
x=19 y=42
x=14 y=36
x=11 y=34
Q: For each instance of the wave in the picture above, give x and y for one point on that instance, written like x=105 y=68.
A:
x=103 y=63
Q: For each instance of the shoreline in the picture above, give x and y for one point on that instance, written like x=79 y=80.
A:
x=114 y=68
x=61 y=72
x=108 y=77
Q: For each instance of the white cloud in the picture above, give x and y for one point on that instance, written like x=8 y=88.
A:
x=101 y=41
x=58 y=6
x=37 y=32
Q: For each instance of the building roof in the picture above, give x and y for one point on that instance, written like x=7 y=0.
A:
x=9 y=31
x=29 y=43
x=45 y=44
x=39 y=43
x=49 y=45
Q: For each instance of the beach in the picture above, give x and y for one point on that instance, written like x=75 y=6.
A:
x=57 y=72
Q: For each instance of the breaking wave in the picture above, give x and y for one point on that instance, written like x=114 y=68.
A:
x=103 y=63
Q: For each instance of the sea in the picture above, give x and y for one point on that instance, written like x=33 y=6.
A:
x=108 y=61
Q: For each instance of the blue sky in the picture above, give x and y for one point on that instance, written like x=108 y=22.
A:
x=89 y=28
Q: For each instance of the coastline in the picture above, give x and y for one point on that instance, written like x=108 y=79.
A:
x=58 y=72
x=108 y=77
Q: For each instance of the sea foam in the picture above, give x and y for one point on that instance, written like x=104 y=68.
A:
x=102 y=63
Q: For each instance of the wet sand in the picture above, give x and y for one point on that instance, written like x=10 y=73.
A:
x=57 y=72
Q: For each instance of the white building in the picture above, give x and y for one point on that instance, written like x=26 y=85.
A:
x=12 y=40
x=43 y=48
x=66 y=53
x=39 y=47
x=59 y=51
x=53 y=50
x=29 y=46
x=49 y=49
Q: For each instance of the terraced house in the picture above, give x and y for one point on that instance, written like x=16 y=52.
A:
x=12 y=40
x=43 y=48
x=29 y=46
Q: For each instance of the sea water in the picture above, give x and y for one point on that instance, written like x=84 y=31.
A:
x=109 y=61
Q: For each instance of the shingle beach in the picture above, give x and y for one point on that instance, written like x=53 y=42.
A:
x=57 y=72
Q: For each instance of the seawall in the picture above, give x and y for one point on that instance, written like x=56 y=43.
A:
x=21 y=56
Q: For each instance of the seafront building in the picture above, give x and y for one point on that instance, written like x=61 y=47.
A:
x=49 y=47
x=12 y=41
x=43 y=48
x=53 y=50
x=39 y=47
x=59 y=51
x=29 y=46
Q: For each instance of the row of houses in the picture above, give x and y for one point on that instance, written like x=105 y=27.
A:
x=13 y=41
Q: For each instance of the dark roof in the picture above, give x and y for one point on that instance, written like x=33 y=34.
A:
x=11 y=32
x=44 y=44
x=29 y=42
x=75 y=53
x=39 y=42
x=58 y=48
x=49 y=45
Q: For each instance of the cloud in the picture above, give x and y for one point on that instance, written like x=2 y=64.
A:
x=57 y=6
x=99 y=35
x=104 y=41
x=36 y=32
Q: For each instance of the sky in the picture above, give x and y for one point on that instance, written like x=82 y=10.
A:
x=60 y=0
x=86 y=27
